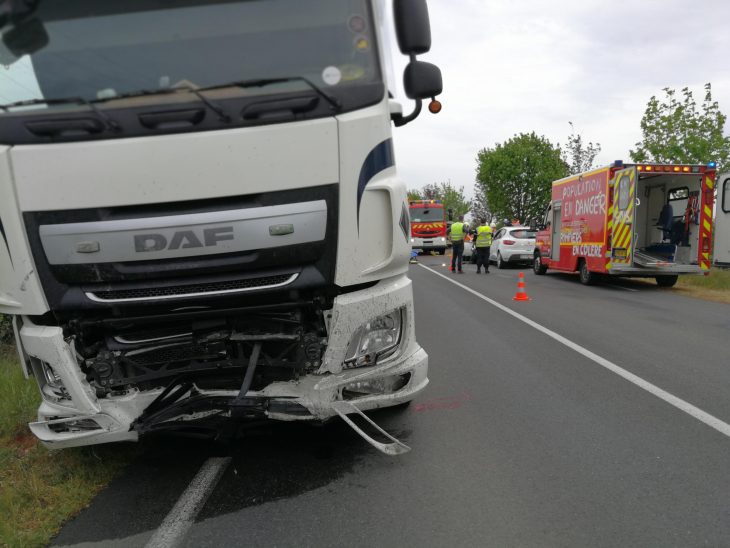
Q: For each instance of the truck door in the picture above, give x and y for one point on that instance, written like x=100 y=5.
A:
x=721 y=254
x=623 y=209
x=556 y=224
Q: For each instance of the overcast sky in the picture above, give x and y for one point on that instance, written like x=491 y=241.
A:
x=512 y=66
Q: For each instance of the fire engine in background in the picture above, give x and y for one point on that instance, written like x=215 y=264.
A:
x=721 y=253
x=643 y=220
x=428 y=225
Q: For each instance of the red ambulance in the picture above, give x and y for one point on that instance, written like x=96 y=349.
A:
x=639 y=220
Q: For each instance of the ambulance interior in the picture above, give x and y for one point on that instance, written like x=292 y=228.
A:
x=667 y=219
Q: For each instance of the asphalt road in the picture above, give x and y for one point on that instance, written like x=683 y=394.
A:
x=520 y=440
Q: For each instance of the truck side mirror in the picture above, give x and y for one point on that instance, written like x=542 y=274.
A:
x=24 y=38
x=422 y=80
x=533 y=225
x=412 y=26
x=451 y=214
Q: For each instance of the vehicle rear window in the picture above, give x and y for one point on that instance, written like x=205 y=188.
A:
x=523 y=234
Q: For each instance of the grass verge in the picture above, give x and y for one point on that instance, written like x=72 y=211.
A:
x=41 y=489
x=715 y=287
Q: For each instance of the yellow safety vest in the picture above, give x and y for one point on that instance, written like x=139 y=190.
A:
x=457 y=232
x=484 y=236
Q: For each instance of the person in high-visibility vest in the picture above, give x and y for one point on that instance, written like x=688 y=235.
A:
x=457 y=232
x=483 y=243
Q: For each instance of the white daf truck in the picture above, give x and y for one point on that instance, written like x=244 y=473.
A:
x=200 y=216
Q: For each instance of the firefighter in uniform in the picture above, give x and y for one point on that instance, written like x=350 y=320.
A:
x=457 y=233
x=483 y=243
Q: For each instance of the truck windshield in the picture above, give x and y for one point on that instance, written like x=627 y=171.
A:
x=101 y=50
x=420 y=215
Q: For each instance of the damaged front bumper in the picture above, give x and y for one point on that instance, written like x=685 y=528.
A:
x=73 y=412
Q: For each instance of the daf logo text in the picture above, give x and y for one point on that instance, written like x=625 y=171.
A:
x=183 y=239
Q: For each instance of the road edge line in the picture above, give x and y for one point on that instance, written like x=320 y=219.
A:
x=179 y=520
x=686 y=407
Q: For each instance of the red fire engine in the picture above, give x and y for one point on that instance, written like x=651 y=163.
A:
x=640 y=220
x=428 y=225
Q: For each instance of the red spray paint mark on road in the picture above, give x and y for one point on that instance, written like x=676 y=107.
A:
x=443 y=403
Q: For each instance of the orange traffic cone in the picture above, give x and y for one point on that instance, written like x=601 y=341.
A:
x=521 y=294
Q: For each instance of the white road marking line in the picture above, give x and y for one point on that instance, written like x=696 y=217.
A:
x=176 y=524
x=696 y=412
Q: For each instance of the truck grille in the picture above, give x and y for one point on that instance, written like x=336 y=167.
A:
x=195 y=290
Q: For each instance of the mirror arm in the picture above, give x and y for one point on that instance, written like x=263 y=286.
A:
x=400 y=120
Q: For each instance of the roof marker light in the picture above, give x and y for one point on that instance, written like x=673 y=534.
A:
x=649 y=168
x=677 y=168
x=685 y=169
x=641 y=168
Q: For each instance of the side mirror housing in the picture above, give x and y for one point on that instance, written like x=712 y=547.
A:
x=422 y=80
x=533 y=224
x=25 y=38
x=412 y=26
x=451 y=214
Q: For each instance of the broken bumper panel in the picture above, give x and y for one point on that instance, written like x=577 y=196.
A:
x=72 y=413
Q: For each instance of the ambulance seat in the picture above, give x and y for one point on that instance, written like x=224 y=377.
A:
x=666 y=221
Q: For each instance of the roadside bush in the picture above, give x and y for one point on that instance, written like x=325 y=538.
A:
x=6 y=329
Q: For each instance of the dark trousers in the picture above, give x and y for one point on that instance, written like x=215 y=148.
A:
x=457 y=254
x=483 y=258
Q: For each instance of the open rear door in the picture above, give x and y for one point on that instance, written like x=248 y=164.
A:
x=721 y=255
x=622 y=217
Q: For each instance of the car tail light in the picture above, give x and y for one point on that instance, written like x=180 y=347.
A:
x=508 y=242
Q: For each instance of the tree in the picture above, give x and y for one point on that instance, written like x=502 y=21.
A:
x=576 y=155
x=516 y=176
x=449 y=195
x=675 y=130
x=479 y=205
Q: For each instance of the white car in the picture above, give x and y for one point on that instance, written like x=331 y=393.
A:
x=512 y=245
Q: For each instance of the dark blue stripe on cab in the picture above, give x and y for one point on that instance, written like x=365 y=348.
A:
x=380 y=158
x=5 y=239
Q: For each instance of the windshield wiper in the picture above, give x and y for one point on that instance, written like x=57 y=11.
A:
x=222 y=115
x=260 y=82
x=111 y=125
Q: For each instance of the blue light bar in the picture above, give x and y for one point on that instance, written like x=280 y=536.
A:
x=712 y=164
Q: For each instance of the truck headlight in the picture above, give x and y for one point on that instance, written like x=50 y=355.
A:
x=443 y=239
x=413 y=240
x=376 y=340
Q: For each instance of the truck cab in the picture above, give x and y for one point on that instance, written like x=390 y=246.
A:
x=201 y=219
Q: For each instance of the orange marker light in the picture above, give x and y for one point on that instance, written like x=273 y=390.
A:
x=685 y=169
x=434 y=106
x=676 y=168
x=641 y=168
x=649 y=168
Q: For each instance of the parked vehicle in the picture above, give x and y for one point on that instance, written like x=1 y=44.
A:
x=428 y=225
x=201 y=220
x=639 y=220
x=721 y=249
x=512 y=245
x=470 y=254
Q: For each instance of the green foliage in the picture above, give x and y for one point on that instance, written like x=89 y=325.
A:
x=40 y=489
x=480 y=206
x=578 y=156
x=676 y=130
x=451 y=196
x=6 y=329
x=516 y=176
x=414 y=194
